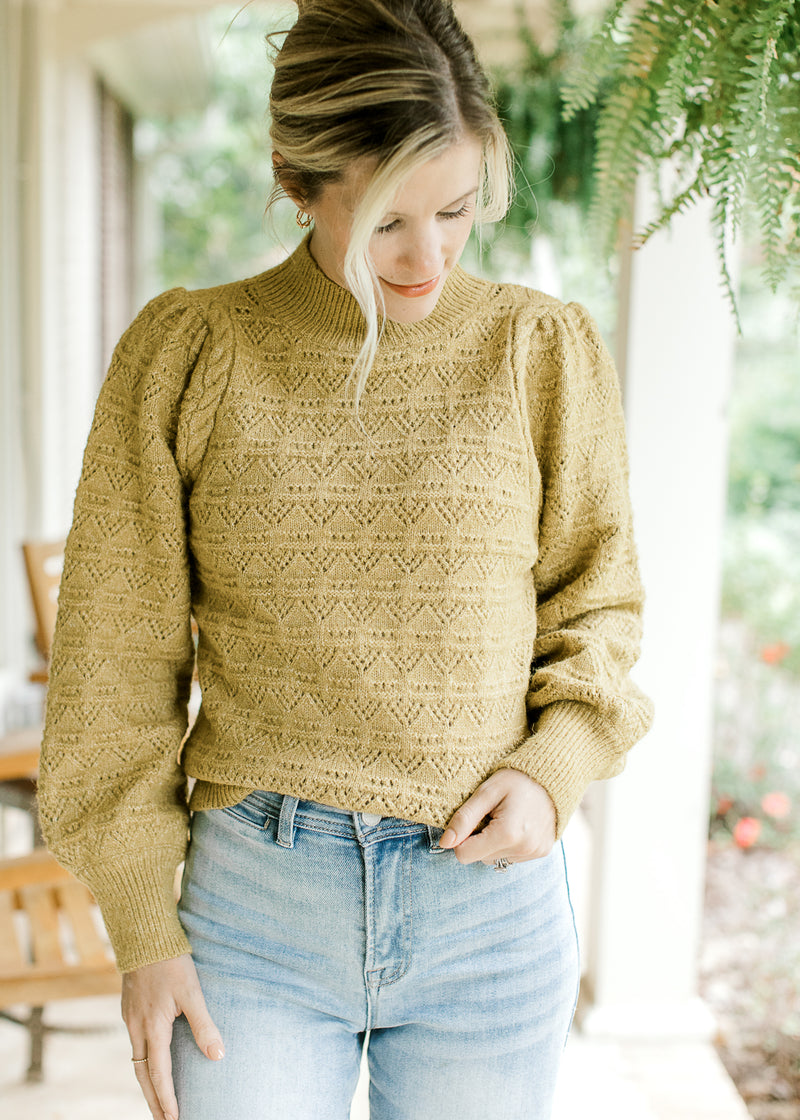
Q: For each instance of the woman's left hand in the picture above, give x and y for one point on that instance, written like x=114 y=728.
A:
x=521 y=821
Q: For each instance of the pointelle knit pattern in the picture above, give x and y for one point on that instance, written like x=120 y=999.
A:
x=388 y=611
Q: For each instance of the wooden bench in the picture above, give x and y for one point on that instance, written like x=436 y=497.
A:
x=19 y=762
x=52 y=944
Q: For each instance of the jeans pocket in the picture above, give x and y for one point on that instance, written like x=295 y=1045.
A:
x=253 y=810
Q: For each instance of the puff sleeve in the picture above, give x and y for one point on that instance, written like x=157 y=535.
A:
x=112 y=794
x=584 y=710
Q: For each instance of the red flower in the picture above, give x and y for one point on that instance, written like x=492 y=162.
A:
x=746 y=832
x=777 y=805
x=724 y=805
x=775 y=652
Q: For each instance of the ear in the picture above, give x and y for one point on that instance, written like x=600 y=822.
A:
x=285 y=177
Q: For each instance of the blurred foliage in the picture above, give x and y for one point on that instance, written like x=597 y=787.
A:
x=554 y=156
x=545 y=240
x=761 y=580
x=765 y=426
x=757 y=751
x=761 y=559
x=756 y=774
x=210 y=172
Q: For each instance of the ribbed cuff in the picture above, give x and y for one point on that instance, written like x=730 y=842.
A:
x=139 y=907
x=570 y=748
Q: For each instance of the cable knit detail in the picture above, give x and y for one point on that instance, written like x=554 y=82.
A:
x=387 y=613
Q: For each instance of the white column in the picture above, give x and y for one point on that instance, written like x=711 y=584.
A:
x=71 y=370
x=650 y=824
x=12 y=498
x=49 y=277
x=24 y=147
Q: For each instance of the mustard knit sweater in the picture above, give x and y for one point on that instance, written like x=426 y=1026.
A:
x=386 y=614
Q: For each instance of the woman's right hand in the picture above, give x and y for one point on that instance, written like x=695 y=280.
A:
x=152 y=999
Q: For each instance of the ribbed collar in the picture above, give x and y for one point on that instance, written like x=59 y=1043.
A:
x=299 y=292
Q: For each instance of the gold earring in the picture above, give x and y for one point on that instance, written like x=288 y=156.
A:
x=303 y=219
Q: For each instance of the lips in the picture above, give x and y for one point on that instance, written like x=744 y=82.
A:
x=413 y=291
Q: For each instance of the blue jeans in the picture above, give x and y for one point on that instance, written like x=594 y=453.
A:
x=311 y=927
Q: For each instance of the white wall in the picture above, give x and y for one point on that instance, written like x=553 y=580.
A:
x=651 y=833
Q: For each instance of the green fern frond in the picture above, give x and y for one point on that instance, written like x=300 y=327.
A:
x=768 y=193
x=682 y=202
x=681 y=65
x=582 y=84
x=721 y=222
x=621 y=152
x=709 y=88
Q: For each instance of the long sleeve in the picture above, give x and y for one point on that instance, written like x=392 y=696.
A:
x=112 y=794
x=584 y=710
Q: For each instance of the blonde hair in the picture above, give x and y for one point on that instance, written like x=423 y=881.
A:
x=397 y=81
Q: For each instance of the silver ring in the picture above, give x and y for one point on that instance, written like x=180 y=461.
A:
x=502 y=864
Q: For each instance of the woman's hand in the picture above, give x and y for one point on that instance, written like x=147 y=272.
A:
x=521 y=821
x=152 y=999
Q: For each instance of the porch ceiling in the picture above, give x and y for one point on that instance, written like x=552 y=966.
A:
x=155 y=54
x=162 y=68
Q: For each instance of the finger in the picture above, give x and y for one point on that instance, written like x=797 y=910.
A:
x=159 y=1067
x=205 y=1032
x=488 y=845
x=517 y=846
x=138 y=1051
x=469 y=815
x=148 y=1090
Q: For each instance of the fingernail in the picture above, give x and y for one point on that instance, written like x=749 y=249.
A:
x=448 y=838
x=216 y=1051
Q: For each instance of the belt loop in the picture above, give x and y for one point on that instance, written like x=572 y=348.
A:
x=434 y=836
x=286 y=821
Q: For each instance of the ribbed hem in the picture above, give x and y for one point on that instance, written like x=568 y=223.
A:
x=570 y=748
x=139 y=907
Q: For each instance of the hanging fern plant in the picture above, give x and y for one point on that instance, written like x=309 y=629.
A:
x=710 y=88
x=553 y=155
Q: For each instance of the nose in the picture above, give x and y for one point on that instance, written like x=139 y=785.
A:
x=421 y=256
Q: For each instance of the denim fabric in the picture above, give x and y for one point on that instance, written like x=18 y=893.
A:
x=311 y=927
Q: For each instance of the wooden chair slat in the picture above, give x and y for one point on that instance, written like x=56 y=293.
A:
x=44 y=562
x=38 y=867
x=19 y=753
x=51 y=946
x=37 y=989
x=10 y=951
x=39 y=904
x=77 y=904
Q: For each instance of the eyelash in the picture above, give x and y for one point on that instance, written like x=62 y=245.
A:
x=447 y=215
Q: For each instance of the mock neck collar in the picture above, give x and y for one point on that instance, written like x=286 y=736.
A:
x=301 y=294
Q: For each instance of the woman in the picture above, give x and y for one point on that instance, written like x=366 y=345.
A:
x=394 y=499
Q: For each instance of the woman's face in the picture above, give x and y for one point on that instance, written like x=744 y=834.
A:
x=418 y=240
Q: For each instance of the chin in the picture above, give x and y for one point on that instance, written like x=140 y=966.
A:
x=401 y=309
